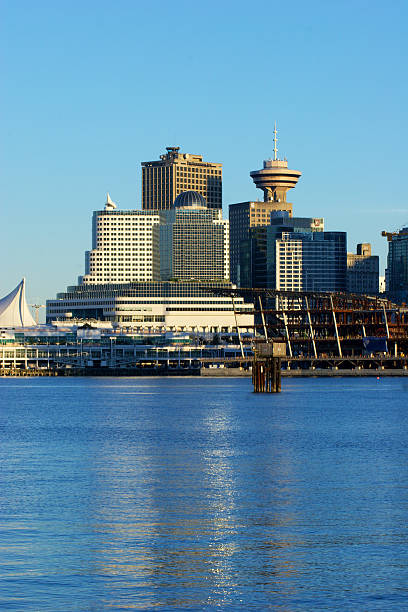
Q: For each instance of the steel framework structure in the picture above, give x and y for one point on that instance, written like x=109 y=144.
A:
x=323 y=324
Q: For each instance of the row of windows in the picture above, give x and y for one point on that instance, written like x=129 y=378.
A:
x=200 y=309
x=146 y=219
x=97 y=258
x=186 y=171
x=152 y=289
x=120 y=302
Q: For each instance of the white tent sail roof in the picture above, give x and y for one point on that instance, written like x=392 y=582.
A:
x=14 y=311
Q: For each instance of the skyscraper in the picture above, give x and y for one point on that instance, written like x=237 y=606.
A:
x=294 y=254
x=310 y=261
x=192 y=240
x=396 y=274
x=163 y=180
x=275 y=179
x=121 y=246
x=258 y=253
x=156 y=269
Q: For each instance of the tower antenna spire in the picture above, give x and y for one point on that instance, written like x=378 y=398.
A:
x=275 y=178
x=275 y=144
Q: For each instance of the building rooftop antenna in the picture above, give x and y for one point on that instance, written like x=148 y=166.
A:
x=275 y=144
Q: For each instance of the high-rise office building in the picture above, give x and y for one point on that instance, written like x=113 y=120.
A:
x=253 y=258
x=128 y=249
x=294 y=254
x=122 y=246
x=275 y=180
x=257 y=254
x=312 y=261
x=163 y=180
x=363 y=271
x=192 y=241
x=396 y=274
x=244 y=216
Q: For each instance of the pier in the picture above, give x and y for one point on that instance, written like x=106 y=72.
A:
x=266 y=367
x=322 y=333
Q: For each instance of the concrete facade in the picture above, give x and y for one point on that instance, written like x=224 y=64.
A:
x=122 y=247
x=363 y=271
x=170 y=306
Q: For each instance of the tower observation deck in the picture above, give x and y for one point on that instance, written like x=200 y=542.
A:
x=275 y=178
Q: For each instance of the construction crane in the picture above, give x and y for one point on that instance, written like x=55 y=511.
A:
x=390 y=235
x=37 y=311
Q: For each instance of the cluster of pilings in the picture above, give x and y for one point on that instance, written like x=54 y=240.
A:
x=266 y=375
x=27 y=372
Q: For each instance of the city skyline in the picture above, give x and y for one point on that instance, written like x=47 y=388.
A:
x=83 y=107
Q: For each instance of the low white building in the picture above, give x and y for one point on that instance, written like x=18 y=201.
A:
x=172 y=306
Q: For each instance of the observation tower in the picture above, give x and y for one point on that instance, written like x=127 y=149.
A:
x=275 y=178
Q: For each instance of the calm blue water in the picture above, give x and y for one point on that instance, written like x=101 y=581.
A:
x=120 y=494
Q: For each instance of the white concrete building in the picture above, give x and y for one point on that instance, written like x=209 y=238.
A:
x=123 y=285
x=122 y=246
x=172 y=306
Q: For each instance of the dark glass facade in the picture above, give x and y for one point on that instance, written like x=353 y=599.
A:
x=397 y=267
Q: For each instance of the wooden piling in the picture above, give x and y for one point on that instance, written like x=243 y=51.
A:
x=266 y=368
x=266 y=375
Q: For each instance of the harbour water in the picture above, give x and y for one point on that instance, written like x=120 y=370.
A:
x=189 y=493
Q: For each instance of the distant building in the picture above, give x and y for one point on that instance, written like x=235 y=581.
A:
x=294 y=254
x=192 y=241
x=309 y=261
x=163 y=180
x=363 y=271
x=122 y=246
x=396 y=274
x=253 y=258
x=274 y=179
x=244 y=216
x=258 y=253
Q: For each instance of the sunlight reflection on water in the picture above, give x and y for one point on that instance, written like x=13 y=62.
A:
x=200 y=494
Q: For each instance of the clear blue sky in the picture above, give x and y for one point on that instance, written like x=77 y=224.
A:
x=92 y=88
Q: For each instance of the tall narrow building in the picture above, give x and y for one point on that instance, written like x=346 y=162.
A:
x=122 y=246
x=165 y=179
x=192 y=241
x=396 y=274
x=243 y=217
x=275 y=179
